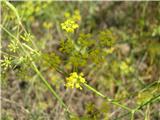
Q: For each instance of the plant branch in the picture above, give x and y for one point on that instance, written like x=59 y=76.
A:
x=108 y=99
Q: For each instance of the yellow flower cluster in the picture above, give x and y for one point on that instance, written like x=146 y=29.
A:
x=125 y=68
x=74 y=80
x=76 y=16
x=70 y=24
x=13 y=46
x=6 y=63
x=47 y=25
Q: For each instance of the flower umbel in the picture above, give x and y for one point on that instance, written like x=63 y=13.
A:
x=6 y=63
x=69 y=25
x=125 y=68
x=13 y=46
x=76 y=16
x=74 y=80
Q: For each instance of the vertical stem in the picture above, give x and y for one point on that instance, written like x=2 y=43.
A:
x=14 y=10
x=37 y=71
x=48 y=86
x=34 y=66
x=132 y=114
x=147 y=112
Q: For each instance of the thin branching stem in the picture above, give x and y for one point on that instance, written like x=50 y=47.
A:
x=108 y=99
x=37 y=71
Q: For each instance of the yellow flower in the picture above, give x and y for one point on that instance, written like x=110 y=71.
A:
x=125 y=68
x=74 y=80
x=69 y=25
x=13 y=46
x=110 y=50
x=47 y=25
x=6 y=63
x=67 y=14
x=76 y=16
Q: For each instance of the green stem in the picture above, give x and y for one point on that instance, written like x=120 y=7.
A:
x=14 y=10
x=48 y=85
x=94 y=90
x=37 y=71
x=120 y=105
x=34 y=66
x=148 y=102
x=108 y=99
x=132 y=114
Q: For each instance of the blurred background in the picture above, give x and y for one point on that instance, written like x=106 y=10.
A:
x=131 y=74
